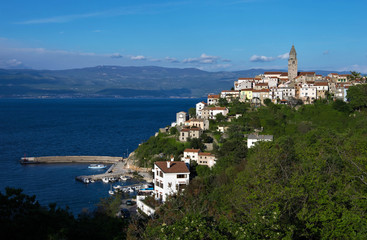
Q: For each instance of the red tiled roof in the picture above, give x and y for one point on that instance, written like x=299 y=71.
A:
x=176 y=167
x=231 y=91
x=192 y=150
x=261 y=90
x=217 y=108
x=205 y=154
x=306 y=73
x=261 y=84
x=213 y=96
x=321 y=84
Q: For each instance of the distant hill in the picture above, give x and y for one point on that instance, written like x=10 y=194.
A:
x=116 y=81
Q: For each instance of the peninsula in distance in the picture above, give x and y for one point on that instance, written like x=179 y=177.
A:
x=121 y=82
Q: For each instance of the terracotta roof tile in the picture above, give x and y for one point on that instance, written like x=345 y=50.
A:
x=176 y=167
x=192 y=150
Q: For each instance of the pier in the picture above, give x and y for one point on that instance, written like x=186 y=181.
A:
x=71 y=159
x=121 y=168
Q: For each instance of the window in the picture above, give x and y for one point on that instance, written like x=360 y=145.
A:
x=181 y=175
x=169 y=184
x=161 y=174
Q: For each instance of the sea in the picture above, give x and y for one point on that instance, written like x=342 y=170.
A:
x=67 y=127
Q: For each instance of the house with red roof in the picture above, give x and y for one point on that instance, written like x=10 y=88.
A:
x=170 y=177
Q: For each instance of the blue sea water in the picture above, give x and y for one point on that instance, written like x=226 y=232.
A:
x=61 y=127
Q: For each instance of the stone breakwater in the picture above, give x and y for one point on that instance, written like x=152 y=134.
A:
x=72 y=159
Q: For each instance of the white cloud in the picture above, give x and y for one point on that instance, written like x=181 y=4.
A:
x=283 y=56
x=326 y=52
x=139 y=57
x=204 y=58
x=138 y=9
x=60 y=19
x=11 y=63
x=256 y=58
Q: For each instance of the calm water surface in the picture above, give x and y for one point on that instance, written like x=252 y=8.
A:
x=105 y=127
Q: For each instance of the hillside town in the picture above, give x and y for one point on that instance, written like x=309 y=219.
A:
x=291 y=88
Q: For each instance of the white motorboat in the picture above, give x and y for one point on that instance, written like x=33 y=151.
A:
x=105 y=180
x=111 y=192
x=97 y=166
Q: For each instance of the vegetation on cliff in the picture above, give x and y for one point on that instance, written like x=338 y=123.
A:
x=309 y=183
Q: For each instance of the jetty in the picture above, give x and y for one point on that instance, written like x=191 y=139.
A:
x=121 y=168
x=71 y=159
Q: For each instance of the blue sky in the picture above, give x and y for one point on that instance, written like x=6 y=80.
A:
x=211 y=35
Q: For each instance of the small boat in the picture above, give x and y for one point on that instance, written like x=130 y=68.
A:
x=105 y=180
x=117 y=187
x=123 y=178
x=86 y=180
x=111 y=192
x=97 y=166
x=91 y=180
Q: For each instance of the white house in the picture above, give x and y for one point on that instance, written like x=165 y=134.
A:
x=243 y=83
x=199 y=108
x=307 y=92
x=211 y=112
x=230 y=94
x=170 y=177
x=181 y=118
x=206 y=159
x=190 y=155
x=187 y=133
x=201 y=123
x=213 y=99
x=252 y=139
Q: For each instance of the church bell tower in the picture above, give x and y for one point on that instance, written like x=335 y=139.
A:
x=292 y=64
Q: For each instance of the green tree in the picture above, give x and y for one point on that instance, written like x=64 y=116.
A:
x=223 y=102
x=173 y=130
x=354 y=76
x=219 y=117
x=192 y=112
x=357 y=96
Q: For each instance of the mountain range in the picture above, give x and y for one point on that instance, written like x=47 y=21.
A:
x=120 y=82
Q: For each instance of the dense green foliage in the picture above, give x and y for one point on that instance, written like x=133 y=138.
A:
x=309 y=183
x=22 y=217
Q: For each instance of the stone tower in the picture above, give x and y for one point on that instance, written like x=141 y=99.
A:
x=292 y=64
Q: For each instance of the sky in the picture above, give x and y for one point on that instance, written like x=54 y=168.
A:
x=211 y=35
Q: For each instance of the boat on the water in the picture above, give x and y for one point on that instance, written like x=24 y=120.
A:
x=97 y=166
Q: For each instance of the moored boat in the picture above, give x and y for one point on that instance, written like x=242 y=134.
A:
x=97 y=166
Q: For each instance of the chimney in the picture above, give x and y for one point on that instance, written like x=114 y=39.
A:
x=168 y=164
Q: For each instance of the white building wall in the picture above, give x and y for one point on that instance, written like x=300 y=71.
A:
x=144 y=207
x=169 y=181
x=199 y=108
